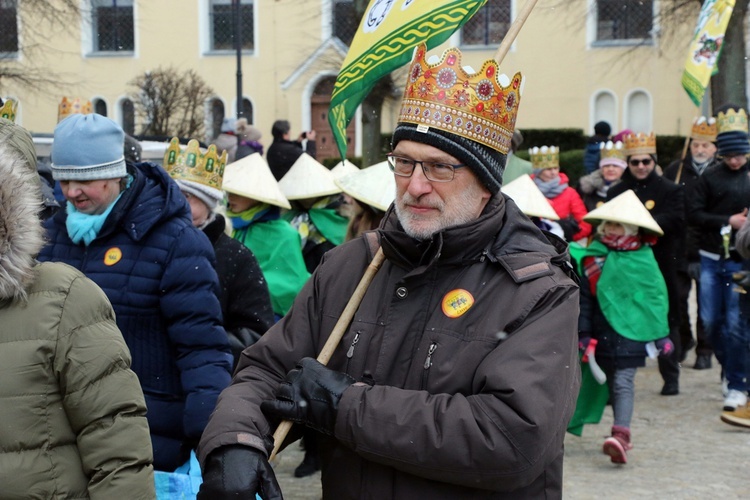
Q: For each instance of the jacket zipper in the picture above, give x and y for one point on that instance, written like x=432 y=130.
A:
x=350 y=352
x=428 y=364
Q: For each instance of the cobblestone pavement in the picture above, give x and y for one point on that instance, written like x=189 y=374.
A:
x=681 y=448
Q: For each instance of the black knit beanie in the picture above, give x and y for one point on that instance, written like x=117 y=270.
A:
x=486 y=163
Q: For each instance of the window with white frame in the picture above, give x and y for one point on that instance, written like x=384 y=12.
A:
x=8 y=26
x=127 y=116
x=489 y=25
x=638 y=115
x=222 y=24
x=100 y=107
x=344 y=20
x=605 y=108
x=112 y=26
x=618 y=20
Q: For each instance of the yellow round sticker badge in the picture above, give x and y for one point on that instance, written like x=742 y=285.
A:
x=457 y=302
x=112 y=256
x=650 y=204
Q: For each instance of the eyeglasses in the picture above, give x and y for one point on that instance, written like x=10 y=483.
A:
x=434 y=171
x=646 y=162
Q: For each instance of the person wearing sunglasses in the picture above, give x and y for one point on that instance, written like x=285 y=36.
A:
x=718 y=207
x=665 y=202
x=458 y=374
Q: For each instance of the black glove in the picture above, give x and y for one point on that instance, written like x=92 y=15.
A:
x=237 y=471
x=694 y=270
x=310 y=395
x=569 y=226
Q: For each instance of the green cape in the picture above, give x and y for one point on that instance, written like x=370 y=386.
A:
x=631 y=290
x=276 y=246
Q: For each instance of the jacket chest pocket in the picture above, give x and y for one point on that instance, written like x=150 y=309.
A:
x=445 y=361
x=351 y=355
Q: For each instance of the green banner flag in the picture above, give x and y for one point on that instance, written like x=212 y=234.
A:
x=705 y=47
x=389 y=30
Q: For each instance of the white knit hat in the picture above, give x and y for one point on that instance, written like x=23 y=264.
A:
x=251 y=177
x=208 y=195
x=375 y=185
x=307 y=179
x=529 y=199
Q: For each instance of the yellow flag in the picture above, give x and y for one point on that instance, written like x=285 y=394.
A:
x=389 y=30
x=705 y=47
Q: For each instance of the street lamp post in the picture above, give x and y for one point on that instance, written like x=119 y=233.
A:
x=238 y=48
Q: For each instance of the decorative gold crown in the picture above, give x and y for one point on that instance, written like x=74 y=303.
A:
x=704 y=129
x=611 y=150
x=193 y=165
x=732 y=121
x=545 y=157
x=73 y=106
x=8 y=110
x=640 y=144
x=475 y=106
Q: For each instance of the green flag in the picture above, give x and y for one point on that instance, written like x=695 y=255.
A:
x=384 y=41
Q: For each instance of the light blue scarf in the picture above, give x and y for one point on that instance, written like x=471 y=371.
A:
x=84 y=227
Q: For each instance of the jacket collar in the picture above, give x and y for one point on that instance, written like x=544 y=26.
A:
x=452 y=245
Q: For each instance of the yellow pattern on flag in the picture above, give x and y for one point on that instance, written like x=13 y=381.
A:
x=389 y=30
x=705 y=47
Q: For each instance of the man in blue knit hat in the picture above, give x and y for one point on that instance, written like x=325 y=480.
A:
x=129 y=229
x=718 y=209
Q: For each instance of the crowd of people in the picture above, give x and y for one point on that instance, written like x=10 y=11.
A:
x=180 y=307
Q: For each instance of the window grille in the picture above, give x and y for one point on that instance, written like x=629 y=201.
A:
x=345 y=20
x=112 y=22
x=222 y=24
x=8 y=26
x=624 y=19
x=489 y=25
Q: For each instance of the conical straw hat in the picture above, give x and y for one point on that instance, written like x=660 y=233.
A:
x=307 y=179
x=251 y=177
x=344 y=168
x=627 y=209
x=374 y=185
x=529 y=199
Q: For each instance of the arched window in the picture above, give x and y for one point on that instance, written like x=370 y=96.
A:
x=100 y=107
x=247 y=110
x=127 y=114
x=638 y=115
x=216 y=116
x=605 y=109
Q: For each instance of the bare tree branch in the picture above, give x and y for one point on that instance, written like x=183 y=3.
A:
x=39 y=21
x=171 y=103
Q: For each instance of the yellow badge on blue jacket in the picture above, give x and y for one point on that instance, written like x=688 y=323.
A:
x=112 y=256
x=457 y=302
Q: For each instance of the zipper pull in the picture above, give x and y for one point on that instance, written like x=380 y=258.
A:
x=428 y=361
x=350 y=352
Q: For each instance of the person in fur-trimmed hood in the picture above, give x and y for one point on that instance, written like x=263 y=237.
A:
x=73 y=414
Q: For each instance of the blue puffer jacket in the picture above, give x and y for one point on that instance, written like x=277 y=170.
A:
x=156 y=269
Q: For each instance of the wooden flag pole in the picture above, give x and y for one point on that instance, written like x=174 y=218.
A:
x=513 y=31
x=336 y=335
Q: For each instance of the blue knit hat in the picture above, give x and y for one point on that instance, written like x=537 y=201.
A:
x=732 y=128
x=86 y=148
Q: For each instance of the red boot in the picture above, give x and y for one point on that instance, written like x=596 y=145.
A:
x=617 y=445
